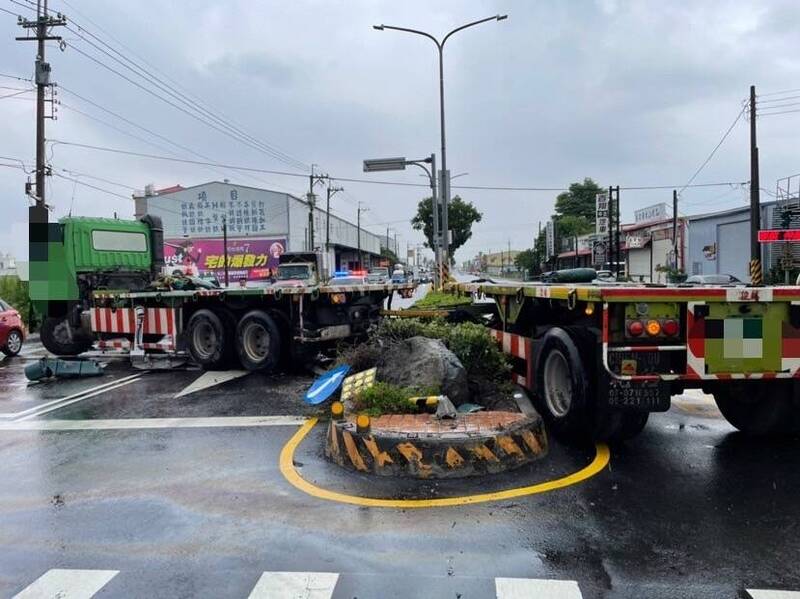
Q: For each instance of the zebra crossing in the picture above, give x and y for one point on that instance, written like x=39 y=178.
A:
x=84 y=584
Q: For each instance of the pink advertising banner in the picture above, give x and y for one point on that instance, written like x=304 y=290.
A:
x=247 y=258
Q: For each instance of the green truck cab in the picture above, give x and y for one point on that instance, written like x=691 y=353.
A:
x=82 y=255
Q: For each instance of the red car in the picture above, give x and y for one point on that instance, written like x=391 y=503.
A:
x=12 y=333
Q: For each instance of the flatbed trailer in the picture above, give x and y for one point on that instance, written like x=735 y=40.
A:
x=217 y=327
x=100 y=282
x=599 y=358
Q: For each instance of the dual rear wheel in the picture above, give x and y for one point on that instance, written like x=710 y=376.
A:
x=216 y=340
x=567 y=391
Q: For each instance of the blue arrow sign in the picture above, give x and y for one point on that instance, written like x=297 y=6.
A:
x=326 y=385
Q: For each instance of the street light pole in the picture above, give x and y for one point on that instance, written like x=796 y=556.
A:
x=444 y=186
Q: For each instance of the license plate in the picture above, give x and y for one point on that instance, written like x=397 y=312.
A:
x=642 y=396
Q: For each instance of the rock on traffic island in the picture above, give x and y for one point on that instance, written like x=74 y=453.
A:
x=420 y=446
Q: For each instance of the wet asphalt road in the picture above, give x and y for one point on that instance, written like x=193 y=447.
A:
x=688 y=509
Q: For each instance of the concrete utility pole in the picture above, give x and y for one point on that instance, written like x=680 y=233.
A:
x=312 y=200
x=756 y=276
x=675 y=228
x=358 y=227
x=445 y=175
x=225 y=245
x=42 y=23
x=331 y=191
x=38 y=229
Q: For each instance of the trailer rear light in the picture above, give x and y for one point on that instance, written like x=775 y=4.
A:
x=635 y=328
x=670 y=327
x=653 y=327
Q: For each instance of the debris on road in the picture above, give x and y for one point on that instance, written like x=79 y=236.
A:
x=56 y=368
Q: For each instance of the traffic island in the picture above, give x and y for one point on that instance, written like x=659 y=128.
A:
x=422 y=446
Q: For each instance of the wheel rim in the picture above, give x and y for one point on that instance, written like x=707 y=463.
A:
x=557 y=384
x=255 y=342
x=62 y=333
x=204 y=339
x=14 y=342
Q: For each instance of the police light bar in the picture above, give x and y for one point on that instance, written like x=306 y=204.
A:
x=774 y=235
x=341 y=273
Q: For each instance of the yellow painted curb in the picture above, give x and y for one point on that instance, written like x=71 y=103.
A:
x=600 y=461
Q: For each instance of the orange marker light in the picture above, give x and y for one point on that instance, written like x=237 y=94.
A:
x=653 y=327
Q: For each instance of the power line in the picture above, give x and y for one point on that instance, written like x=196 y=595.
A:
x=174 y=88
x=366 y=181
x=146 y=130
x=25 y=91
x=780 y=112
x=714 y=151
x=16 y=77
x=193 y=105
x=78 y=182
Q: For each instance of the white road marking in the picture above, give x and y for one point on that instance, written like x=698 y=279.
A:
x=211 y=379
x=68 y=397
x=67 y=584
x=536 y=588
x=152 y=423
x=58 y=406
x=770 y=594
x=295 y=585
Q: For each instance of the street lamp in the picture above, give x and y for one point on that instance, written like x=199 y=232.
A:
x=399 y=164
x=444 y=187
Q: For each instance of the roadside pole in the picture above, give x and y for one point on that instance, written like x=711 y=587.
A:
x=225 y=246
x=756 y=274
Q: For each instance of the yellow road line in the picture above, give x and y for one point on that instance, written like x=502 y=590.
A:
x=600 y=461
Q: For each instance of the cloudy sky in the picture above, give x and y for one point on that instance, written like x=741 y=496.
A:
x=628 y=93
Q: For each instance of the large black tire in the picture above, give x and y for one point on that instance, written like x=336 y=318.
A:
x=563 y=387
x=758 y=407
x=13 y=343
x=62 y=339
x=258 y=341
x=572 y=407
x=208 y=340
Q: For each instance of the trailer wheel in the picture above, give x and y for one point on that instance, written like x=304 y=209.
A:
x=258 y=341
x=757 y=408
x=562 y=385
x=206 y=338
x=62 y=339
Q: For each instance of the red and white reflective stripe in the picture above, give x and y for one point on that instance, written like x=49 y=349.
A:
x=157 y=321
x=165 y=344
x=646 y=348
x=514 y=345
x=113 y=320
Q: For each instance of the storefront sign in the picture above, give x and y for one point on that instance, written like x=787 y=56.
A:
x=550 y=239
x=601 y=213
x=635 y=242
x=247 y=258
x=651 y=213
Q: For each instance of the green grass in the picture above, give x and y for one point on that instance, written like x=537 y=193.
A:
x=438 y=299
x=385 y=398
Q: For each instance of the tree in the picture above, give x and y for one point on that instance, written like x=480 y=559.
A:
x=579 y=200
x=390 y=256
x=573 y=226
x=462 y=216
x=526 y=261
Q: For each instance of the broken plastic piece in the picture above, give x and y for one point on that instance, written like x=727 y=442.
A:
x=53 y=367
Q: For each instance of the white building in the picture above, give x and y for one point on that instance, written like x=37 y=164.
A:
x=261 y=224
x=8 y=265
